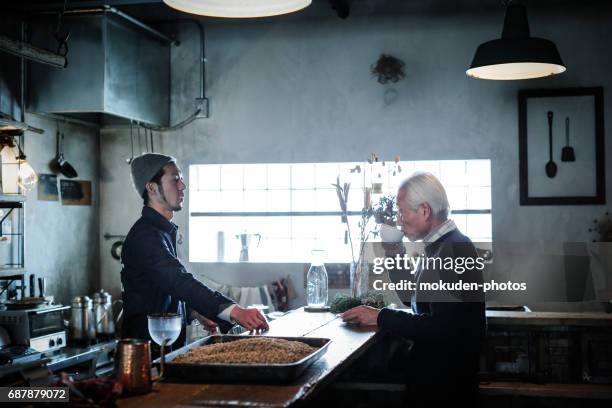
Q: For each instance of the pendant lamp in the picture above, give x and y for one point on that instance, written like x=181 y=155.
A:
x=238 y=8
x=516 y=55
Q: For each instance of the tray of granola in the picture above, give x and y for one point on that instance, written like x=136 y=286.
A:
x=235 y=358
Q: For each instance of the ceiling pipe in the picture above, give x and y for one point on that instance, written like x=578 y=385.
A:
x=125 y=16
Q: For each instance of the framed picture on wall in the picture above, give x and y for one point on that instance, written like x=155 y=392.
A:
x=561 y=146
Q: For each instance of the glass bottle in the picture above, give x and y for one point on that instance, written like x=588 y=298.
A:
x=316 y=281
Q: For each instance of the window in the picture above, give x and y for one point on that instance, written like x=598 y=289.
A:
x=280 y=212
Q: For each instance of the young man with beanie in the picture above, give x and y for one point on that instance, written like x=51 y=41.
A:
x=154 y=279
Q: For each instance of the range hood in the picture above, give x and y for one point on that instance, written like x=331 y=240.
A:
x=117 y=72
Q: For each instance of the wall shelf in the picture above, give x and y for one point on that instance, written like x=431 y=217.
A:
x=11 y=272
x=12 y=207
x=12 y=200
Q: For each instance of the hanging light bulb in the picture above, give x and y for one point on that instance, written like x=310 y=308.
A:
x=16 y=169
x=27 y=178
x=238 y=8
x=516 y=55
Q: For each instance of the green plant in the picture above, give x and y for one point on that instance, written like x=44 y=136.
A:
x=385 y=211
x=374 y=299
x=344 y=302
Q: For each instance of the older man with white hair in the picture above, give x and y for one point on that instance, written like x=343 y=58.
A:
x=448 y=328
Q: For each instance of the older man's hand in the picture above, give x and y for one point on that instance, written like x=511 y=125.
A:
x=364 y=315
x=250 y=319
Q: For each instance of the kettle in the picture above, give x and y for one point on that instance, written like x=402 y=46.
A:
x=103 y=314
x=245 y=242
x=81 y=327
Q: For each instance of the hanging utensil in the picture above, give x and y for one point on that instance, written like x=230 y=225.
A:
x=139 y=143
x=551 y=167
x=151 y=132
x=54 y=163
x=32 y=287
x=567 y=153
x=66 y=168
x=146 y=138
x=129 y=160
x=61 y=165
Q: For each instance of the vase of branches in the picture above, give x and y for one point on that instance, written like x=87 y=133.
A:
x=374 y=173
x=359 y=269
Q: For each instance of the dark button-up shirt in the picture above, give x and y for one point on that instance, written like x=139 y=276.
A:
x=155 y=281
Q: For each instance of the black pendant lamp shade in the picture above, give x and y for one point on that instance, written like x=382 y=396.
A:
x=516 y=55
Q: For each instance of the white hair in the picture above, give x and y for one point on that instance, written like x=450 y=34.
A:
x=424 y=187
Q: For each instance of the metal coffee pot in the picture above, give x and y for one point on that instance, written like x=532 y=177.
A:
x=245 y=242
x=103 y=314
x=81 y=327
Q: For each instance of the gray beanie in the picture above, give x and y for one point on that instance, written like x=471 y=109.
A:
x=145 y=167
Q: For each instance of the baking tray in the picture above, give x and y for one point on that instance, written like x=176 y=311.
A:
x=209 y=372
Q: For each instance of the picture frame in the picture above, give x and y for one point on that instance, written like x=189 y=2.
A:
x=576 y=115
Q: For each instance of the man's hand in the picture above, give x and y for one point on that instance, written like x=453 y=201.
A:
x=250 y=319
x=364 y=315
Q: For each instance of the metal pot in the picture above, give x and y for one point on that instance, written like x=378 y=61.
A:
x=81 y=328
x=133 y=366
x=59 y=164
x=103 y=314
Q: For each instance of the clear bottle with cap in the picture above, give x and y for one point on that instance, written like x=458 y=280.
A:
x=316 y=281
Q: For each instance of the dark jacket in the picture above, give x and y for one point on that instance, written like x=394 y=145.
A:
x=155 y=281
x=447 y=335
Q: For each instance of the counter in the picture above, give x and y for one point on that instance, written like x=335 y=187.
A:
x=583 y=319
x=348 y=343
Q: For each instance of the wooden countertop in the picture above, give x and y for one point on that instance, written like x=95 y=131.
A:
x=580 y=391
x=598 y=319
x=348 y=343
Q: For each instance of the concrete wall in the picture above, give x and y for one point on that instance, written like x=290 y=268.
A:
x=61 y=242
x=301 y=91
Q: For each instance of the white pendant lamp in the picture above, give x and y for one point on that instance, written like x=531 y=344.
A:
x=516 y=55
x=238 y=8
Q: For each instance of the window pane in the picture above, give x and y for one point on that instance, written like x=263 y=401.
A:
x=479 y=197
x=303 y=176
x=305 y=227
x=453 y=173
x=255 y=201
x=479 y=172
x=255 y=177
x=231 y=177
x=326 y=200
x=302 y=200
x=279 y=176
x=208 y=177
x=306 y=187
x=432 y=167
x=232 y=201
x=279 y=200
x=456 y=198
x=326 y=174
x=205 y=201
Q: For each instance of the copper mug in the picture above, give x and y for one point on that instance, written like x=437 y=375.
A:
x=133 y=365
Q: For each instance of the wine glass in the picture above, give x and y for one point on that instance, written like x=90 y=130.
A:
x=164 y=329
